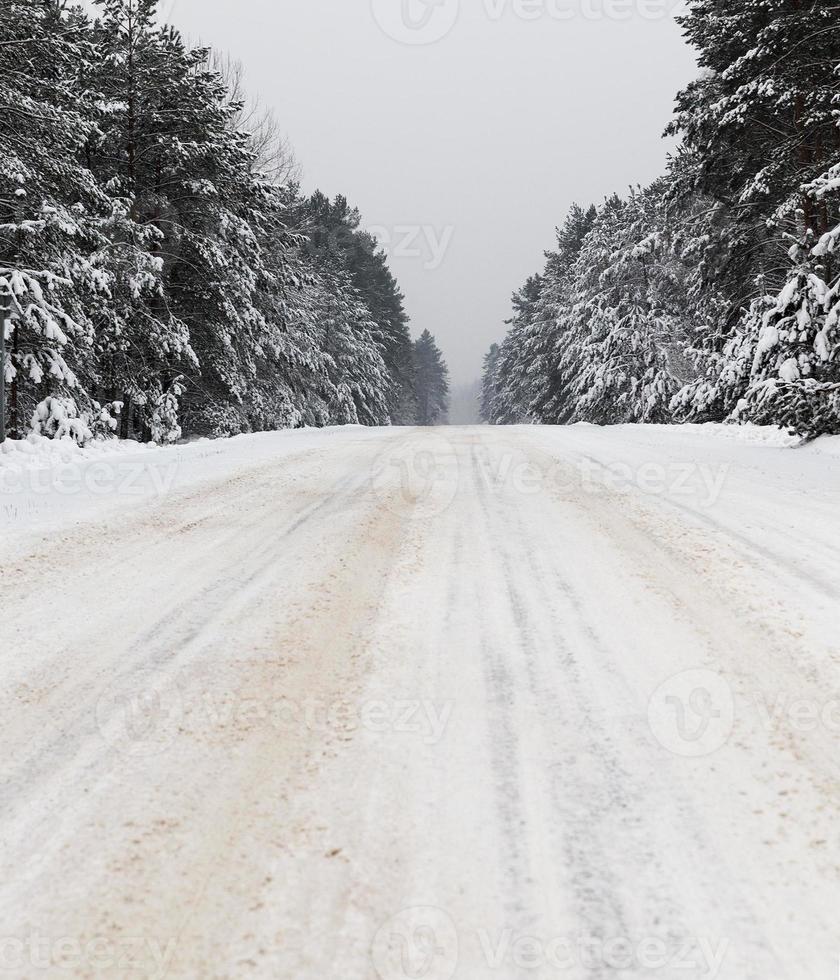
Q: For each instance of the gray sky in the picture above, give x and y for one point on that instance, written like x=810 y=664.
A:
x=462 y=129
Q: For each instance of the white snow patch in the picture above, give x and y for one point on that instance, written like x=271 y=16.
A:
x=39 y=452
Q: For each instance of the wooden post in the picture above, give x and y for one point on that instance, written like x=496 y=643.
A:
x=5 y=310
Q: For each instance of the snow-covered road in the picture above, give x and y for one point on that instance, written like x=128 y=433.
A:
x=423 y=704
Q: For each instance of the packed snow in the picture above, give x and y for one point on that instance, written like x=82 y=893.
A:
x=447 y=703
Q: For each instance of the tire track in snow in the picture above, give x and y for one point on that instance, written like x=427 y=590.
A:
x=598 y=797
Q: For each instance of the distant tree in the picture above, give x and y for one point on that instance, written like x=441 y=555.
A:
x=432 y=381
x=356 y=383
x=516 y=386
x=465 y=403
x=551 y=394
x=489 y=384
x=336 y=241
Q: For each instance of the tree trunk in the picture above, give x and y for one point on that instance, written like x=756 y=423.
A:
x=14 y=414
x=125 y=420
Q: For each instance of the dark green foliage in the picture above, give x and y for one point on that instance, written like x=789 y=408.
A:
x=431 y=380
x=157 y=268
x=684 y=301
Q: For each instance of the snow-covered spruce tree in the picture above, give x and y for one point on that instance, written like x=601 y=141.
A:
x=779 y=364
x=629 y=325
x=193 y=213
x=382 y=296
x=760 y=123
x=784 y=361
x=759 y=129
x=432 y=380
x=515 y=387
x=48 y=204
x=548 y=341
x=336 y=241
x=523 y=381
x=701 y=233
x=355 y=385
x=290 y=365
x=489 y=384
x=142 y=345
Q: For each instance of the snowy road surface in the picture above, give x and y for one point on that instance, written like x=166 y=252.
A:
x=471 y=703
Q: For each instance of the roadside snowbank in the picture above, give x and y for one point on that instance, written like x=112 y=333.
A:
x=748 y=433
x=46 y=484
x=771 y=435
x=39 y=452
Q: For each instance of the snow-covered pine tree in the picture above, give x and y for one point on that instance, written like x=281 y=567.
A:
x=626 y=356
x=760 y=135
x=523 y=381
x=432 y=380
x=780 y=365
x=515 y=385
x=489 y=385
x=551 y=399
x=355 y=386
x=143 y=346
x=382 y=296
x=195 y=222
x=47 y=204
x=760 y=122
x=290 y=365
x=784 y=358
x=336 y=241
x=154 y=263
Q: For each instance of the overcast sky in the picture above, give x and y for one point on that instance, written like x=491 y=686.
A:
x=462 y=129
